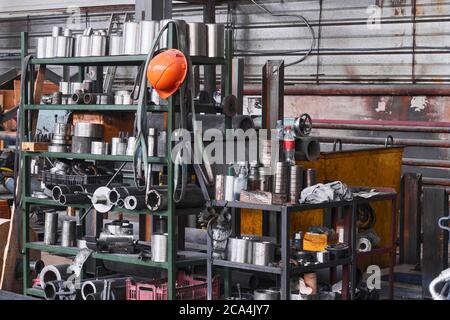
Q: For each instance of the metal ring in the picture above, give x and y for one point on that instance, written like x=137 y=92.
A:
x=441 y=223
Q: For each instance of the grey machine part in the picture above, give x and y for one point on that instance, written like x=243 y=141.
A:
x=68 y=235
x=310 y=178
x=263 y=253
x=121 y=192
x=100 y=200
x=157 y=199
x=88 y=130
x=159 y=247
x=135 y=202
x=82 y=144
x=307 y=149
x=130 y=38
x=51 y=228
x=295 y=183
x=148 y=31
x=58 y=190
x=99 y=147
x=240 y=250
x=53 y=272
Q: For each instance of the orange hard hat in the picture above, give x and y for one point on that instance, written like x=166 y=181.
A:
x=167 y=71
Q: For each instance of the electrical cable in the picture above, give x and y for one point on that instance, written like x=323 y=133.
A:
x=305 y=22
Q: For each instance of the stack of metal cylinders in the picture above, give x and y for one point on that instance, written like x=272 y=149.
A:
x=295 y=183
x=84 y=134
x=61 y=138
x=281 y=178
x=60 y=44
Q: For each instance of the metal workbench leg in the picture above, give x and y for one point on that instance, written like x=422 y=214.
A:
x=354 y=254
x=392 y=252
x=285 y=255
x=346 y=269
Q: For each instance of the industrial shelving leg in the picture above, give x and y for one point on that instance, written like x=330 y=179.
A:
x=285 y=254
x=353 y=245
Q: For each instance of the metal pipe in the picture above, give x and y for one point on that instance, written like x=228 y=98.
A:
x=119 y=193
x=382 y=141
x=157 y=198
x=426 y=163
x=91 y=287
x=134 y=202
x=37 y=266
x=436 y=182
x=68 y=234
x=59 y=190
x=359 y=90
x=53 y=272
x=52 y=288
x=51 y=228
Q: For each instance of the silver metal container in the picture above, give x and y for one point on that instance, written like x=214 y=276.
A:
x=41 y=47
x=151 y=142
x=98 y=45
x=51 y=228
x=50 y=45
x=240 y=250
x=216 y=40
x=281 y=178
x=82 y=144
x=159 y=247
x=115 y=45
x=99 y=147
x=130 y=38
x=196 y=38
x=263 y=253
x=164 y=40
x=68 y=235
x=57 y=31
x=85 y=46
x=77 y=45
x=130 y=146
x=295 y=183
x=64 y=87
x=75 y=86
x=62 y=46
x=266 y=294
x=118 y=146
x=87 y=129
x=148 y=31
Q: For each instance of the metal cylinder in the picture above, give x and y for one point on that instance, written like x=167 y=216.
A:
x=77 y=45
x=196 y=38
x=99 y=147
x=90 y=98
x=265 y=179
x=122 y=192
x=62 y=46
x=98 y=45
x=307 y=149
x=64 y=87
x=58 y=190
x=36 y=266
x=148 y=31
x=118 y=146
x=76 y=86
x=51 y=228
x=41 y=47
x=88 y=130
x=310 y=177
x=134 y=202
x=85 y=46
x=216 y=40
x=281 y=178
x=66 y=199
x=91 y=287
x=265 y=294
x=78 y=97
x=240 y=250
x=115 y=45
x=295 y=183
x=50 y=44
x=131 y=143
x=100 y=199
x=151 y=142
x=159 y=247
x=68 y=235
x=157 y=198
x=82 y=144
x=51 y=272
x=263 y=253
x=130 y=38
x=52 y=288
x=57 y=31
x=212 y=121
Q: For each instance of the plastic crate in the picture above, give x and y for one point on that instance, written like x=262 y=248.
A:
x=51 y=179
x=188 y=288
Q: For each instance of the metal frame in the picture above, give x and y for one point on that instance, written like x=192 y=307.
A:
x=29 y=106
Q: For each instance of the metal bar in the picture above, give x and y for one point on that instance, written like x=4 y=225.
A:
x=272 y=93
x=285 y=255
x=381 y=141
x=346 y=125
x=426 y=163
x=209 y=16
x=353 y=246
x=436 y=182
x=359 y=90
x=237 y=87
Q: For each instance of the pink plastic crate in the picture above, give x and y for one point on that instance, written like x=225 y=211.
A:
x=188 y=288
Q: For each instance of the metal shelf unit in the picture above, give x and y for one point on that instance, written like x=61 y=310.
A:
x=28 y=106
x=284 y=271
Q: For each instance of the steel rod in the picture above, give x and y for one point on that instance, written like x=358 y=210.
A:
x=344 y=125
x=381 y=141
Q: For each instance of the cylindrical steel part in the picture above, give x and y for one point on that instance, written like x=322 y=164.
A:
x=157 y=198
x=263 y=294
x=148 y=31
x=90 y=98
x=263 y=253
x=98 y=45
x=197 y=38
x=240 y=250
x=115 y=45
x=68 y=235
x=53 y=272
x=130 y=37
x=85 y=46
x=52 y=288
x=36 y=266
x=134 y=202
x=41 y=47
x=310 y=177
x=99 y=147
x=159 y=247
x=91 y=287
x=307 y=149
x=87 y=129
x=82 y=144
x=58 y=190
x=50 y=44
x=66 y=199
x=216 y=40
x=51 y=228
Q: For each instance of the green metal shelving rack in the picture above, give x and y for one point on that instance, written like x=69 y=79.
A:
x=28 y=106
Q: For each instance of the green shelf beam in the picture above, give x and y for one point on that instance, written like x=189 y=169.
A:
x=88 y=156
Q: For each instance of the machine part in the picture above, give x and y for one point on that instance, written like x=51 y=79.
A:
x=219 y=187
x=130 y=38
x=68 y=235
x=55 y=272
x=94 y=296
x=41 y=47
x=52 y=288
x=295 y=183
x=216 y=40
x=148 y=31
x=364 y=245
x=307 y=149
x=90 y=98
x=157 y=198
x=196 y=39
x=57 y=31
x=107 y=242
x=51 y=228
x=151 y=142
x=263 y=253
x=100 y=200
x=118 y=146
x=303 y=125
x=98 y=45
x=50 y=47
x=66 y=199
x=62 y=129
x=272 y=94
x=58 y=148
x=122 y=192
x=64 y=87
x=265 y=179
x=78 y=97
x=266 y=294
x=76 y=86
x=77 y=45
x=230 y=106
x=164 y=40
x=82 y=144
x=240 y=250
x=36 y=266
x=159 y=247
x=166 y=72
x=281 y=178
x=58 y=190
x=99 y=147
x=115 y=45
x=120 y=203
x=131 y=144
x=134 y=202
x=63 y=46
x=88 y=130
x=85 y=46
x=92 y=287
x=161 y=146
x=120 y=227
x=310 y=178
x=103 y=98
x=444 y=276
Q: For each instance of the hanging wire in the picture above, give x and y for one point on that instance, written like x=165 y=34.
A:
x=297 y=16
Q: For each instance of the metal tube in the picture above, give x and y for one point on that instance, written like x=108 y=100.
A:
x=91 y=287
x=115 y=45
x=307 y=149
x=52 y=288
x=197 y=39
x=58 y=190
x=66 y=199
x=68 y=235
x=51 y=228
x=382 y=141
x=88 y=130
x=41 y=47
x=310 y=177
x=157 y=198
x=90 y=98
x=216 y=40
x=53 y=272
x=426 y=163
x=159 y=247
x=37 y=266
x=148 y=30
x=134 y=202
x=130 y=37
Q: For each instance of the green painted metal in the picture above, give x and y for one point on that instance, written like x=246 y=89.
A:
x=35 y=292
